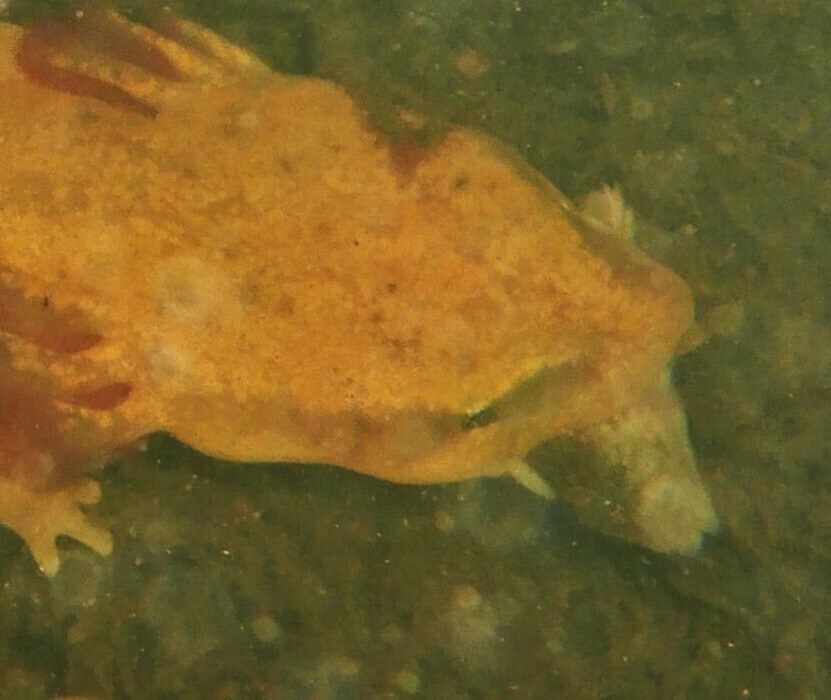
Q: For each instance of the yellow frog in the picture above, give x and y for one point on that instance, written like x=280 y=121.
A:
x=192 y=243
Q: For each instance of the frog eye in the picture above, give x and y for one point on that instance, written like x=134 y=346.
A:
x=479 y=419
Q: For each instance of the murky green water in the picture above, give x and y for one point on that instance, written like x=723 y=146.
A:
x=290 y=582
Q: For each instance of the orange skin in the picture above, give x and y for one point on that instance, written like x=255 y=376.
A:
x=194 y=244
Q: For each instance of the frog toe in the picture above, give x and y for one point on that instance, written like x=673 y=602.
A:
x=39 y=517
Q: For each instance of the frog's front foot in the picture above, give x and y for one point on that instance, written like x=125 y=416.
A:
x=40 y=516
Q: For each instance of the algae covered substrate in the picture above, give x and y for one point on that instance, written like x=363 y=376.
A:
x=233 y=581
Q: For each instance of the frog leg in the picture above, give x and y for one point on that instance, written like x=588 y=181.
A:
x=42 y=454
x=42 y=447
x=100 y=54
x=56 y=416
x=225 y=58
x=185 y=51
x=40 y=516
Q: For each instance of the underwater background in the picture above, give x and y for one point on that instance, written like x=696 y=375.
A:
x=231 y=581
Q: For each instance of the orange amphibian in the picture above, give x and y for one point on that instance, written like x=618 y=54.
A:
x=192 y=243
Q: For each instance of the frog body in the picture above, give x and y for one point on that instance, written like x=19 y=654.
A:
x=194 y=244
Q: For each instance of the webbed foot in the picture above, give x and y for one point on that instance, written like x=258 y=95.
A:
x=41 y=516
x=101 y=54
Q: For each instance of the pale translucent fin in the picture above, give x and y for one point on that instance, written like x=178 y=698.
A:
x=605 y=211
x=527 y=476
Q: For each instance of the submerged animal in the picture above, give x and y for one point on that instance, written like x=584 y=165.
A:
x=194 y=244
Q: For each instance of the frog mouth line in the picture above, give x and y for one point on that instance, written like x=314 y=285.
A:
x=532 y=395
x=478 y=419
